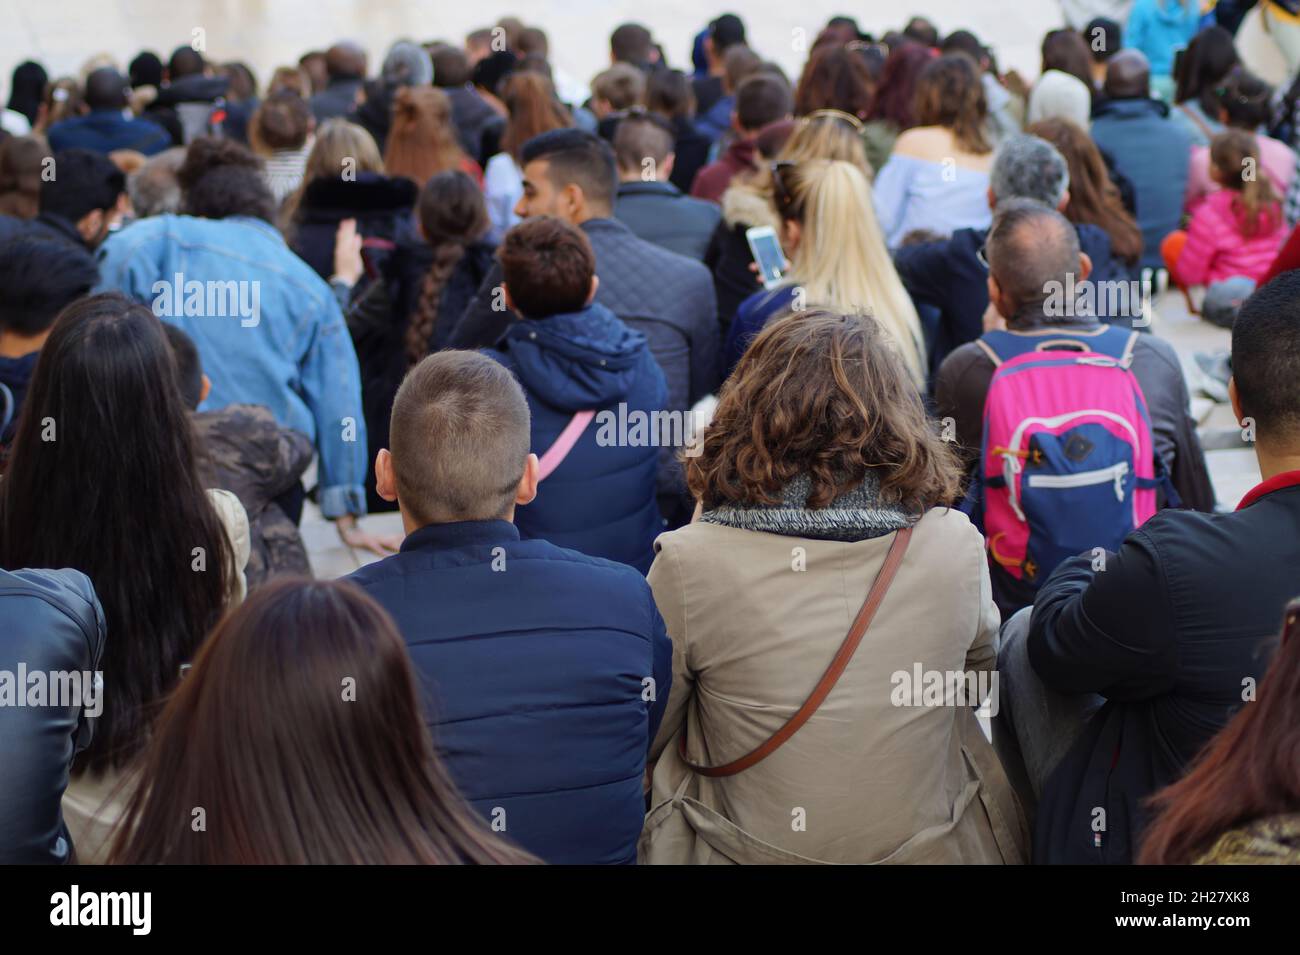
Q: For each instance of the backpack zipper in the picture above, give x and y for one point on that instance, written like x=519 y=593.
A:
x=1116 y=473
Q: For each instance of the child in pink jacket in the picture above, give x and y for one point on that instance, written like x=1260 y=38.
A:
x=1236 y=231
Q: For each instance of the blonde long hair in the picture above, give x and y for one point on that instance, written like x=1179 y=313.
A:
x=842 y=262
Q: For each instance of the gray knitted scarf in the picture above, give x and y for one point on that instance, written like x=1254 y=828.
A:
x=856 y=515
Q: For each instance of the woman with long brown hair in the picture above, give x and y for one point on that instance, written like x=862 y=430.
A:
x=532 y=109
x=425 y=287
x=1094 y=197
x=893 y=105
x=1240 y=800
x=835 y=77
x=297 y=738
x=937 y=177
x=422 y=138
x=818 y=482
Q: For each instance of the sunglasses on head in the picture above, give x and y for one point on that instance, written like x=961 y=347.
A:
x=784 y=197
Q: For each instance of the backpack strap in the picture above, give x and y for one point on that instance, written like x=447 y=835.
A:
x=563 y=444
x=875 y=597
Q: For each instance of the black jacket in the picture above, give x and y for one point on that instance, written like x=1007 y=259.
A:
x=692 y=151
x=659 y=213
x=1170 y=632
x=52 y=622
x=380 y=204
x=470 y=113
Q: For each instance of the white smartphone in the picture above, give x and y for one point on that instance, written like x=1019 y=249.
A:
x=766 y=249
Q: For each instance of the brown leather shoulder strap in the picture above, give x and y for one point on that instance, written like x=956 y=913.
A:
x=832 y=675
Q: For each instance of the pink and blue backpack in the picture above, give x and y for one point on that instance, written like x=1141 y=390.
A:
x=1068 y=462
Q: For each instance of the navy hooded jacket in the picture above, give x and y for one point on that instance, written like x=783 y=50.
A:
x=536 y=662
x=601 y=499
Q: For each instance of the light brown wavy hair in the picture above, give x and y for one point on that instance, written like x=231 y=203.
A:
x=824 y=394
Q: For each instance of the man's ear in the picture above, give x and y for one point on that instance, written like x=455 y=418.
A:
x=995 y=294
x=1085 y=266
x=205 y=388
x=665 y=170
x=385 y=480
x=527 y=489
x=1065 y=201
x=1235 y=399
x=505 y=294
x=595 y=284
x=735 y=123
x=573 y=203
x=993 y=200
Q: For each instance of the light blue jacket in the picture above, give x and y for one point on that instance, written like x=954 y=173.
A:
x=267 y=328
x=1159 y=28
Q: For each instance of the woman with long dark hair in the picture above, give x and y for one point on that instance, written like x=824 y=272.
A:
x=1094 y=197
x=1240 y=800
x=1204 y=65
x=103 y=479
x=299 y=737
x=422 y=137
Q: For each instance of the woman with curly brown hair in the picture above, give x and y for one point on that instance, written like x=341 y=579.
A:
x=821 y=488
x=937 y=176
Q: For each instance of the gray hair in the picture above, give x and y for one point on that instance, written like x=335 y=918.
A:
x=1027 y=167
x=407 y=64
x=154 y=188
x=1031 y=249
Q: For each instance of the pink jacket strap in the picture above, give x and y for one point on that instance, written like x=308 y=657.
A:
x=564 y=444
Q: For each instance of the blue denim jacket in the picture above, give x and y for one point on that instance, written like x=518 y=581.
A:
x=267 y=328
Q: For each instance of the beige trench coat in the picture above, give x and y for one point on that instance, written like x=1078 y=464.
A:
x=755 y=620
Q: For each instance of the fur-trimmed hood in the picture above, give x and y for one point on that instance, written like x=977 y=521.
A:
x=743 y=205
x=371 y=192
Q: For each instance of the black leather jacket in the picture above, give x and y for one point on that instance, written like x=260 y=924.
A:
x=50 y=622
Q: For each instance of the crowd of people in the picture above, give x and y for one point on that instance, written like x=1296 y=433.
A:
x=653 y=498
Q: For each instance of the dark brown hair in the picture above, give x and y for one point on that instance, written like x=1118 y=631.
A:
x=299 y=735
x=834 y=78
x=895 y=99
x=1094 y=197
x=533 y=109
x=1234 y=154
x=1067 y=51
x=828 y=395
x=1250 y=770
x=547 y=265
x=949 y=94
x=452 y=215
x=282 y=121
x=22 y=158
x=459 y=438
x=74 y=502
x=422 y=140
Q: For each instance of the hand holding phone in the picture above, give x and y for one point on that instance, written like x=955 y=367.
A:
x=765 y=248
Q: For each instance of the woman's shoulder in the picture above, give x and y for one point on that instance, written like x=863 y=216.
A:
x=936 y=145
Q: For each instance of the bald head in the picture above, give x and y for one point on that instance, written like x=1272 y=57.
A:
x=1128 y=75
x=1031 y=248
